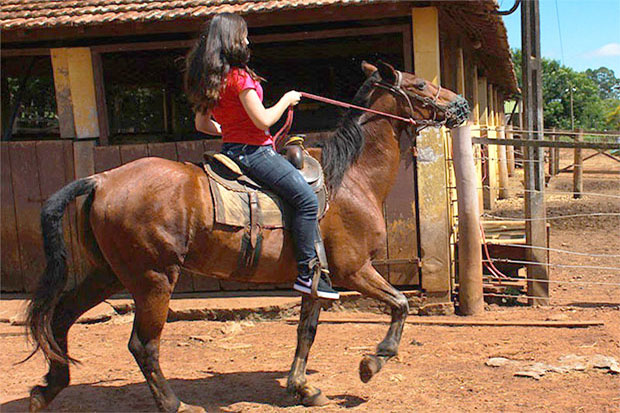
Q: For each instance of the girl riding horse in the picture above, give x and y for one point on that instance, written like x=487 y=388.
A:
x=227 y=97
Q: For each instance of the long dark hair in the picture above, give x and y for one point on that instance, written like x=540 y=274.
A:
x=220 y=47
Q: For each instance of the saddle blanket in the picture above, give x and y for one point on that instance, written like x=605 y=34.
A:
x=233 y=207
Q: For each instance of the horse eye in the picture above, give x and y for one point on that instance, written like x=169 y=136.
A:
x=420 y=85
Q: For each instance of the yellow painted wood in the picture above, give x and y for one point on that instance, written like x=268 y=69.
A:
x=433 y=207
x=493 y=150
x=60 y=70
x=482 y=102
x=425 y=22
x=82 y=83
x=75 y=92
x=432 y=166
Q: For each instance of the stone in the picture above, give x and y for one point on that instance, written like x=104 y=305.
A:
x=530 y=374
x=202 y=339
x=498 y=362
x=602 y=362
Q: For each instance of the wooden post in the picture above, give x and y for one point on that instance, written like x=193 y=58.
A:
x=460 y=72
x=470 y=252
x=489 y=171
x=552 y=171
x=510 y=152
x=431 y=167
x=556 y=156
x=578 y=168
x=535 y=214
x=503 y=166
x=74 y=82
x=102 y=109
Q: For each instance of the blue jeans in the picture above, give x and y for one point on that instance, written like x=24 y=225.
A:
x=273 y=171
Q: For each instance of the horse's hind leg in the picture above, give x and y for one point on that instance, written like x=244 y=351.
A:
x=152 y=296
x=370 y=283
x=306 y=331
x=95 y=288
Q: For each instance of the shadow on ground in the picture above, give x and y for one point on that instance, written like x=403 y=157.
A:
x=213 y=392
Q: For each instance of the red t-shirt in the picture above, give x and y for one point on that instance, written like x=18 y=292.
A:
x=237 y=127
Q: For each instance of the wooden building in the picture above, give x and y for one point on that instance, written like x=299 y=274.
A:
x=98 y=84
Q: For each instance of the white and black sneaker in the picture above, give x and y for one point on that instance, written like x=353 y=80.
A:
x=323 y=290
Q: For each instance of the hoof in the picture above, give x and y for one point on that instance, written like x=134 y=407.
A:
x=188 y=408
x=315 y=400
x=369 y=366
x=37 y=400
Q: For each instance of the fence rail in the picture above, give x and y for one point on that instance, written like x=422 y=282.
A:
x=547 y=144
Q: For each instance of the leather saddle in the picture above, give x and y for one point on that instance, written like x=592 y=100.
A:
x=241 y=202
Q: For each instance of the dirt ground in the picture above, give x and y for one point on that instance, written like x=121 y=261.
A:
x=242 y=366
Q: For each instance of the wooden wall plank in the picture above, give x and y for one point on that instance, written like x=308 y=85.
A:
x=11 y=268
x=25 y=179
x=190 y=151
x=107 y=157
x=212 y=144
x=52 y=173
x=130 y=153
x=167 y=150
x=402 y=226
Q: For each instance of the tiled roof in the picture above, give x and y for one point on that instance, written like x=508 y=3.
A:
x=32 y=14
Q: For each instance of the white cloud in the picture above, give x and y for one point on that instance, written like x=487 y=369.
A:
x=610 y=49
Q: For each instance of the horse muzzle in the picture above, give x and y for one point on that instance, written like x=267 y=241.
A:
x=457 y=112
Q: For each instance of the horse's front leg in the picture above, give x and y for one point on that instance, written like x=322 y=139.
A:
x=306 y=331
x=370 y=283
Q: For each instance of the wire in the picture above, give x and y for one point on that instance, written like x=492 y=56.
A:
x=557 y=13
x=594 y=214
x=609 y=135
x=552 y=192
x=544 y=264
x=517 y=161
x=584 y=254
x=548 y=298
x=499 y=281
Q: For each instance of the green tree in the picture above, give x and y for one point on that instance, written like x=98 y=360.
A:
x=608 y=83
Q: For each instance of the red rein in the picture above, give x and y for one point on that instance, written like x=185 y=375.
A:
x=289 y=118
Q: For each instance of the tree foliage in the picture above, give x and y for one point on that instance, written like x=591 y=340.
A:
x=595 y=95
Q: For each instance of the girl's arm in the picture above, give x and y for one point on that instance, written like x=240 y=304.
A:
x=264 y=118
x=205 y=124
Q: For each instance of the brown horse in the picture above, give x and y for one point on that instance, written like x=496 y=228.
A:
x=144 y=222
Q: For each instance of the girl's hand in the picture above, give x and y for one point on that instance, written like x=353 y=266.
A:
x=292 y=97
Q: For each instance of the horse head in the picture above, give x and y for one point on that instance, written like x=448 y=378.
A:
x=416 y=98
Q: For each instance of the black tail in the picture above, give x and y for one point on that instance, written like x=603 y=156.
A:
x=54 y=279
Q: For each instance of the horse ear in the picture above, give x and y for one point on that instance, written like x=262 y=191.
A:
x=387 y=72
x=368 y=68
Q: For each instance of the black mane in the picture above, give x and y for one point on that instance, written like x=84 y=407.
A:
x=342 y=149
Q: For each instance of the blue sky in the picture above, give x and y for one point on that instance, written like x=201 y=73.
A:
x=590 y=32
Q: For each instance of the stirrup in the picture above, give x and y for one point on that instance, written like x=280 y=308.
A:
x=317 y=272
